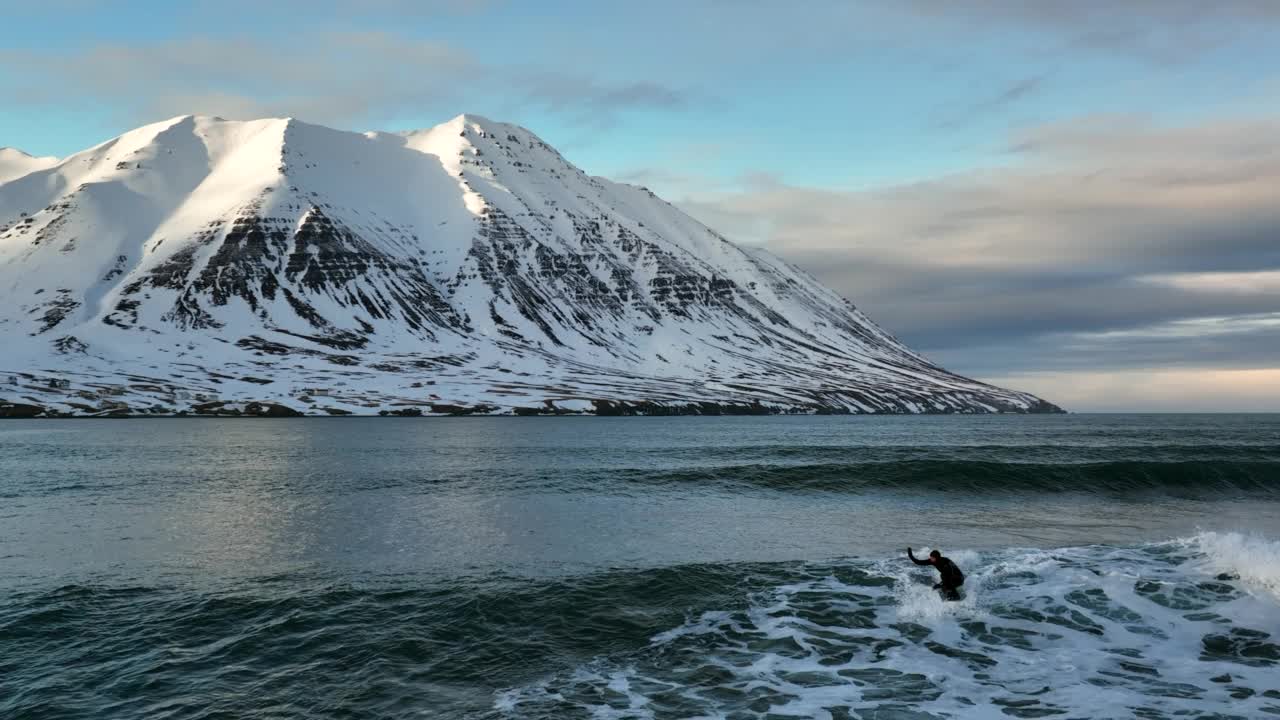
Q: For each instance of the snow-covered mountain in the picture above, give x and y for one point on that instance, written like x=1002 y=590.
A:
x=206 y=265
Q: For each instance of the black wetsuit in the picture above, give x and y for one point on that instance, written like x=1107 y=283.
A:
x=952 y=578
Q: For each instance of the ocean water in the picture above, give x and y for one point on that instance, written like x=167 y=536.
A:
x=736 y=567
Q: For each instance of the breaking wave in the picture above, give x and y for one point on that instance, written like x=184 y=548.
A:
x=1183 y=628
x=1177 y=629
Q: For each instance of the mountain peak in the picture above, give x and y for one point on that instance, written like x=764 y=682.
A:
x=472 y=119
x=478 y=127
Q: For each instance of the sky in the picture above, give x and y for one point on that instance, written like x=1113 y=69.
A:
x=1081 y=199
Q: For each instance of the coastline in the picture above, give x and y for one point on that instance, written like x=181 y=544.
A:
x=597 y=408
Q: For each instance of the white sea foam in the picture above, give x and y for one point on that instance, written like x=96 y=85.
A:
x=1255 y=559
x=1100 y=632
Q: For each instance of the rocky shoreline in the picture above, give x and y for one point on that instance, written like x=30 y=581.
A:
x=597 y=408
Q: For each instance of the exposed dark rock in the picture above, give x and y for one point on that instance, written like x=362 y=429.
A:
x=19 y=410
x=445 y=409
x=253 y=409
x=270 y=410
x=69 y=344
x=644 y=407
x=55 y=311
x=215 y=408
x=402 y=412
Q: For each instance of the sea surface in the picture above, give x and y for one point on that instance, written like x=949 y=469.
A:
x=575 y=567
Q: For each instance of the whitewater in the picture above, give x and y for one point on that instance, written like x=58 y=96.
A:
x=640 y=568
x=1176 y=629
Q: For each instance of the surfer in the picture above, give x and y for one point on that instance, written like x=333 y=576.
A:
x=952 y=578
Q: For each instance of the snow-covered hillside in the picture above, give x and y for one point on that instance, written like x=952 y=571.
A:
x=206 y=265
x=14 y=163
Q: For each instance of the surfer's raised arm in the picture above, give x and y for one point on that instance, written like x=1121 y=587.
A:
x=914 y=560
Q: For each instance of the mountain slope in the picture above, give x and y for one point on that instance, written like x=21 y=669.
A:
x=199 y=261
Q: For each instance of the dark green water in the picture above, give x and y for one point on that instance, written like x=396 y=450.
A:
x=1119 y=566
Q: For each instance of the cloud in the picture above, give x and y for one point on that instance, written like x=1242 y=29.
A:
x=348 y=8
x=589 y=102
x=1240 y=341
x=1107 y=242
x=1204 y=389
x=1013 y=93
x=1002 y=100
x=343 y=78
x=1238 y=282
x=325 y=77
x=1161 y=31
x=215 y=9
x=559 y=92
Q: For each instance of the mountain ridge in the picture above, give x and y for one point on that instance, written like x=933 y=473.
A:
x=469 y=265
